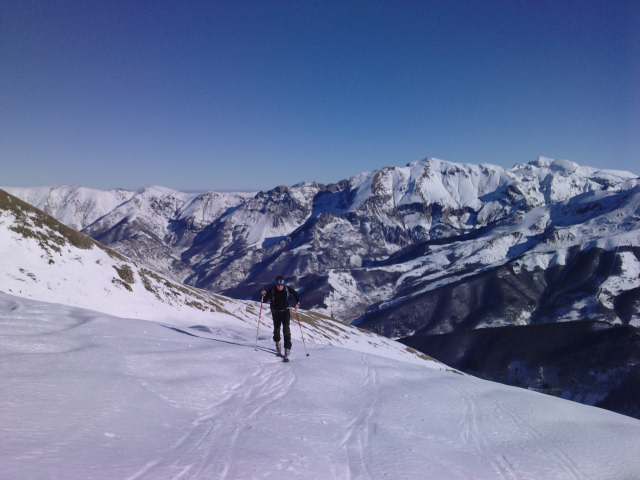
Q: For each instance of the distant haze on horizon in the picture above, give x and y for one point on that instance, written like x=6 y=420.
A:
x=245 y=97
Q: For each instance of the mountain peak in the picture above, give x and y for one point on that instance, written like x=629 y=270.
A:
x=158 y=190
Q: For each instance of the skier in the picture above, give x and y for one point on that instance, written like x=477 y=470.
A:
x=279 y=296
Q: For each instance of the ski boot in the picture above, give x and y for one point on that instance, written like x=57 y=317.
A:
x=278 y=349
x=286 y=355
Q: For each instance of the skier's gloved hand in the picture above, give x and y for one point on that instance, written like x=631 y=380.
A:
x=263 y=292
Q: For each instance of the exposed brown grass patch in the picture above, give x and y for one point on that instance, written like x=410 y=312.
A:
x=35 y=224
x=125 y=273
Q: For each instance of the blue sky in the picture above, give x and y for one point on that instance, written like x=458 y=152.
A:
x=249 y=95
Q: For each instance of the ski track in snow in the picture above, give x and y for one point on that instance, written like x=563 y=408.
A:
x=93 y=396
x=475 y=434
x=563 y=461
x=359 y=429
x=471 y=434
x=197 y=455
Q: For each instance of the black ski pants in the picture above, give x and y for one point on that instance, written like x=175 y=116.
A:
x=282 y=318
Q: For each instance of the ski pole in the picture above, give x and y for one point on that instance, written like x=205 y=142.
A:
x=301 y=333
x=259 y=318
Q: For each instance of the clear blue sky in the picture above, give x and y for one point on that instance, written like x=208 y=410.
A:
x=247 y=95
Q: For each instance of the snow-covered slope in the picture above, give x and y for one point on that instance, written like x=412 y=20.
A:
x=156 y=222
x=140 y=227
x=87 y=395
x=585 y=247
x=44 y=260
x=74 y=206
x=151 y=224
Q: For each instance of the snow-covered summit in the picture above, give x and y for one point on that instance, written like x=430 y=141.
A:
x=432 y=181
x=429 y=181
x=568 y=167
x=204 y=208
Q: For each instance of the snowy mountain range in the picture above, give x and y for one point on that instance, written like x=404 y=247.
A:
x=44 y=260
x=376 y=240
x=112 y=370
x=431 y=248
x=152 y=224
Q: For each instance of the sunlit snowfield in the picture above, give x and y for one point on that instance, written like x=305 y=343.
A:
x=90 y=396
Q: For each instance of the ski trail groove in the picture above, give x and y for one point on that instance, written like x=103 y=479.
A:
x=190 y=444
x=274 y=386
x=471 y=434
x=476 y=438
x=564 y=461
x=358 y=433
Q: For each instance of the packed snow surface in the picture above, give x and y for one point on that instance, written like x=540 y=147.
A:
x=91 y=396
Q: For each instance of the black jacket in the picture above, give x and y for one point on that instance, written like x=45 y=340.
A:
x=281 y=300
